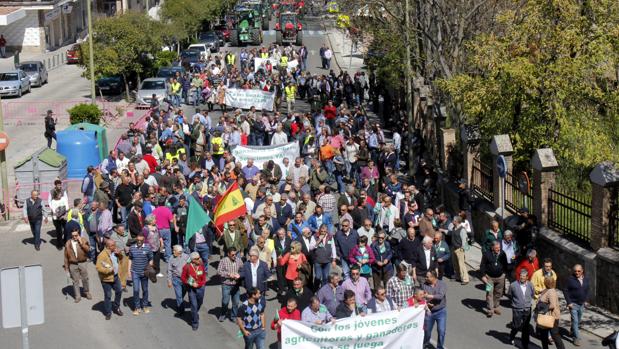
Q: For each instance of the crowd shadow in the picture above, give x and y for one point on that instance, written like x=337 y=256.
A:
x=477 y=304
x=99 y=306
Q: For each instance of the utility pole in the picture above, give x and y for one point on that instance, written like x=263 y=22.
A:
x=3 y=170
x=91 y=54
x=408 y=88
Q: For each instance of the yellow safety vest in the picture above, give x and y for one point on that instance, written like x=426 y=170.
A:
x=264 y=55
x=290 y=92
x=176 y=87
x=218 y=145
x=230 y=59
x=283 y=61
x=170 y=156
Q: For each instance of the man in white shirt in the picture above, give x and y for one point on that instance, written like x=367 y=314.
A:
x=122 y=162
x=328 y=55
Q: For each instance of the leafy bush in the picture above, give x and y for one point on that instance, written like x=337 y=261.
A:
x=84 y=112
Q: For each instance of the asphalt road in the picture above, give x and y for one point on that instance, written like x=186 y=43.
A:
x=82 y=325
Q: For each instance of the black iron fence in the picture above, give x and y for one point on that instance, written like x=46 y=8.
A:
x=613 y=220
x=515 y=198
x=482 y=179
x=570 y=215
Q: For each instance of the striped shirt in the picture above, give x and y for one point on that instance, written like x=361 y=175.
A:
x=140 y=256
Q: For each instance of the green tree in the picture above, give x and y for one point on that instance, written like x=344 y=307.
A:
x=184 y=18
x=547 y=75
x=123 y=45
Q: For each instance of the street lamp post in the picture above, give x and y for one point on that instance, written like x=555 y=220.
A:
x=91 y=57
x=408 y=89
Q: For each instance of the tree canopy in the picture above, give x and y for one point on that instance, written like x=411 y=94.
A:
x=547 y=75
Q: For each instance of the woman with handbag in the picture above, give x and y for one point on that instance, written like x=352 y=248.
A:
x=548 y=319
x=294 y=262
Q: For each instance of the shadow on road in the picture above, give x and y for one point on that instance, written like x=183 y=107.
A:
x=477 y=304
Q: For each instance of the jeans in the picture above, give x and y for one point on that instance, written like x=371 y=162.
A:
x=108 y=305
x=196 y=296
x=124 y=214
x=176 y=100
x=92 y=254
x=204 y=251
x=139 y=282
x=230 y=292
x=196 y=96
x=256 y=337
x=321 y=272
x=576 y=317
x=35 y=228
x=166 y=235
x=345 y=269
x=440 y=316
x=179 y=293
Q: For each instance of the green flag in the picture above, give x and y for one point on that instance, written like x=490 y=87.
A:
x=196 y=219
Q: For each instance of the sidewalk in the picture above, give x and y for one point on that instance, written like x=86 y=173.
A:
x=52 y=60
x=595 y=321
x=341 y=46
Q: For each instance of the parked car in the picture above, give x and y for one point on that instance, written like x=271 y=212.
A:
x=74 y=54
x=223 y=33
x=202 y=48
x=36 y=72
x=150 y=86
x=14 y=83
x=189 y=58
x=211 y=40
x=169 y=72
x=110 y=85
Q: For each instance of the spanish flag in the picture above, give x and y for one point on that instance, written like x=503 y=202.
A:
x=230 y=206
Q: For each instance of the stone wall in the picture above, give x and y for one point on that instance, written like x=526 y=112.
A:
x=607 y=295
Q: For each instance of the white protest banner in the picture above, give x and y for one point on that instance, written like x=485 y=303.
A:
x=259 y=61
x=245 y=99
x=292 y=64
x=393 y=330
x=263 y=154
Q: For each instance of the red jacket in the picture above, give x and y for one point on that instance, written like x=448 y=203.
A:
x=285 y=315
x=529 y=266
x=151 y=161
x=197 y=273
x=330 y=112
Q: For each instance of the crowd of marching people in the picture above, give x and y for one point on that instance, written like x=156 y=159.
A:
x=336 y=232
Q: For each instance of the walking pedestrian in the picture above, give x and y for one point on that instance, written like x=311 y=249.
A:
x=492 y=267
x=34 y=213
x=141 y=256
x=75 y=260
x=250 y=319
x=550 y=297
x=436 y=298
x=576 y=295
x=50 y=127
x=522 y=293
x=194 y=277
x=459 y=246
x=229 y=270
x=107 y=267
x=175 y=272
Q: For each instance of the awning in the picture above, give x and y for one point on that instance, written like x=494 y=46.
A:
x=10 y=15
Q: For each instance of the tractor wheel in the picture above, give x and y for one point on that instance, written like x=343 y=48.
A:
x=234 y=38
x=278 y=38
x=265 y=23
x=299 y=40
x=256 y=37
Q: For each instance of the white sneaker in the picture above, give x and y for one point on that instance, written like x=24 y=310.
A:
x=159 y=275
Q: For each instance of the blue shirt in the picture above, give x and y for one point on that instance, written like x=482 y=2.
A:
x=140 y=256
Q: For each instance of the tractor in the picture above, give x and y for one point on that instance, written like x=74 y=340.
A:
x=262 y=8
x=288 y=29
x=247 y=27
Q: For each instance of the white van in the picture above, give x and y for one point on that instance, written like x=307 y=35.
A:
x=203 y=48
